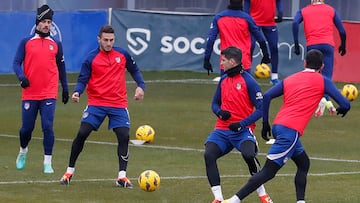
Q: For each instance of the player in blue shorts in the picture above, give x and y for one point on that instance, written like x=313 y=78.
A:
x=320 y=19
x=237 y=104
x=263 y=13
x=103 y=75
x=302 y=92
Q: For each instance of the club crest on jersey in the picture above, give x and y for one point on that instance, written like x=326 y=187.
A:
x=238 y=86
x=259 y=95
x=117 y=59
x=27 y=106
x=51 y=47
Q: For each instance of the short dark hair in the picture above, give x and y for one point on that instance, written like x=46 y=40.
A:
x=233 y=53
x=314 y=59
x=106 y=29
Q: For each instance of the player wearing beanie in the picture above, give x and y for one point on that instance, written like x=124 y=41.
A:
x=38 y=64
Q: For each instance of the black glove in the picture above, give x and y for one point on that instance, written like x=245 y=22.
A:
x=25 y=83
x=297 y=49
x=341 y=111
x=65 y=96
x=265 y=59
x=279 y=18
x=208 y=66
x=342 y=49
x=236 y=127
x=266 y=131
x=224 y=115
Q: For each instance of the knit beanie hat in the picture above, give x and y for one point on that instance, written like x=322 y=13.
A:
x=44 y=12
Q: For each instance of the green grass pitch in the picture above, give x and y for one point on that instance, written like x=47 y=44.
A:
x=177 y=105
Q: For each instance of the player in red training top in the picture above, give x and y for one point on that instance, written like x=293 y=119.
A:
x=263 y=13
x=43 y=64
x=302 y=92
x=103 y=75
x=237 y=103
x=235 y=28
x=319 y=20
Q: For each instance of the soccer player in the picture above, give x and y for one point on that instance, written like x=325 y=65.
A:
x=319 y=20
x=43 y=64
x=302 y=92
x=103 y=75
x=235 y=28
x=263 y=13
x=237 y=104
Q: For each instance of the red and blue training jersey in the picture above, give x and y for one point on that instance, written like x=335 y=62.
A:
x=43 y=64
x=104 y=74
x=235 y=28
x=302 y=93
x=319 y=20
x=241 y=96
x=262 y=11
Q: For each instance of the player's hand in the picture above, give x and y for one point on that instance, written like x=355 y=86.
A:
x=75 y=97
x=24 y=83
x=297 y=49
x=279 y=17
x=341 y=111
x=139 y=94
x=224 y=115
x=236 y=127
x=65 y=96
x=265 y=59
x=342 y=50
x=208 y=66
x=266 y=131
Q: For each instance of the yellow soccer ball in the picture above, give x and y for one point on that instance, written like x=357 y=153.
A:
x=350 y=92
x=146 y=133
x=149 y=180
x=262 y=71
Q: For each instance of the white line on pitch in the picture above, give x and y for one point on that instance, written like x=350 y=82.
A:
x=170 y=178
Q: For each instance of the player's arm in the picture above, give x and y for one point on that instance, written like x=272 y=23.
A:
x=212 y=35
x=247 y=5
x=61 y=67
x=135 y=73
x=83 y=78
x=334 y=93
x=216 y=100
x=255 y=31
x=256 y=97
x=279 y=8
x=295 y=26
x=223 y=114
x=340 y=27
x=275 y=91
x=134 y=70
x=342 y=33
x=18 y=60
